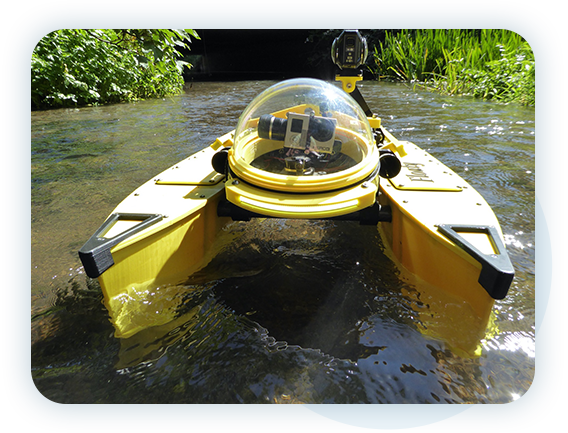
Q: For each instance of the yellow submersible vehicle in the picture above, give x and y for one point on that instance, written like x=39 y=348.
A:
x=307 y=149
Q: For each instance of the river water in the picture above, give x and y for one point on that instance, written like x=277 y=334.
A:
x=291 y=311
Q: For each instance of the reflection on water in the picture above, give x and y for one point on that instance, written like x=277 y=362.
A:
x=291 y=311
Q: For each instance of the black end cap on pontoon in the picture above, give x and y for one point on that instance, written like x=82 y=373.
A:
x=496 y=280
x=95 y=261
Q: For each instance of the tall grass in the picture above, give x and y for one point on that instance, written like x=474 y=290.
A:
x=492 y=64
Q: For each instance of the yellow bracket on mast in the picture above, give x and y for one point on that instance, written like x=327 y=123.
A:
x=349 y=83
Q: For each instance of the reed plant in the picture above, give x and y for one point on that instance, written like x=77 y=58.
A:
x=492 y=64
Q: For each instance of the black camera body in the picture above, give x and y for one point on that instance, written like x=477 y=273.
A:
x=349 y=50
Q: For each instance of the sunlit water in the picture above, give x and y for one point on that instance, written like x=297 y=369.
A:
x=290 y=311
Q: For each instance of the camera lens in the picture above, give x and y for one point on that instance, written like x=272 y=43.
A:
x=272 y=128
x=322 y=129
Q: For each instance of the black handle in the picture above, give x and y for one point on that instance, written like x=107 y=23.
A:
x=95 y=254
x=497 y=271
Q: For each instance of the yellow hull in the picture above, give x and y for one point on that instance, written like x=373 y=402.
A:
x=139 y=285
x=455 y=288
x=454 y=305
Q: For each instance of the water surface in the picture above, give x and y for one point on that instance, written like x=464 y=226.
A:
x=290 y=311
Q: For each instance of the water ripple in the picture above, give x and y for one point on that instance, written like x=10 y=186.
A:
x=289 y=311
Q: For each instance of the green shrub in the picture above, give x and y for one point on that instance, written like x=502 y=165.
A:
x=510 y=78
x=80 y=67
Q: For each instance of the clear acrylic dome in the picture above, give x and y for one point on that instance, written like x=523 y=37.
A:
x=303 y=134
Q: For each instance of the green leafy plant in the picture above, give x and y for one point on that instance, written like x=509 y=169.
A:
x=510 y=78
x=81 y=67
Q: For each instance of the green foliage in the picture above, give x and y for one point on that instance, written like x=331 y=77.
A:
x=492 y=64
x=80 y=67
x=507 y=79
